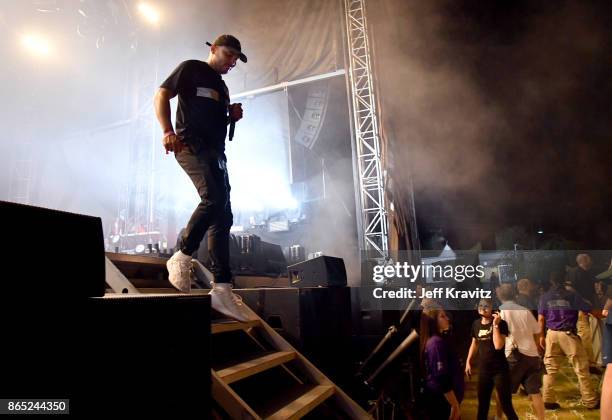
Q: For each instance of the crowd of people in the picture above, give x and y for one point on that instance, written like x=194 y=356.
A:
x=519 y=343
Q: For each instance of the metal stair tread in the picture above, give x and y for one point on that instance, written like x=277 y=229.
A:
x=226 y=326
x=303 y=404
x=254 y=366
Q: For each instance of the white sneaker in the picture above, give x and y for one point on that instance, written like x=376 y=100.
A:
x=179 y=268
x=223 y=300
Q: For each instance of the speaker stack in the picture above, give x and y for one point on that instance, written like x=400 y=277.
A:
x=63 y=339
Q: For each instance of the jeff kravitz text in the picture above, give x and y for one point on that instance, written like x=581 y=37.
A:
x=435 y=293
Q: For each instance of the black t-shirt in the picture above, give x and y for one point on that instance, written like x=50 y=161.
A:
x=490 y=359
x=583 y=282
x=203 y=99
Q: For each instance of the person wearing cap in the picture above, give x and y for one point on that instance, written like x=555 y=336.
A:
x=581 y=279
x=202 y=116
x=557 y=315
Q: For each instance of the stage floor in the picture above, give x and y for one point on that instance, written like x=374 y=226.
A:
x=567 y=390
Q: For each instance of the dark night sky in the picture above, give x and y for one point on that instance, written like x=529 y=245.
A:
x=504 y=114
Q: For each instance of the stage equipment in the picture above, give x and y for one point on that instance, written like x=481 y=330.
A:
x=131 y=356
x=391 y=333
x=278 y=226
x=317 y=321
x=408 y=341
x=314 y=115
x=74 y=271
x=372 y=214
x=248 y=255
x=138 y=243
x=320 y=271
x=232 y=128
x=143 y=271
x=297 y=254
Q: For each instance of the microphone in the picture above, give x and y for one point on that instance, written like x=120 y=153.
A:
x=231 y=130
x=232 y=125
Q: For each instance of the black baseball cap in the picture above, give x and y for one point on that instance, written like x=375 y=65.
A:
x=231 y=42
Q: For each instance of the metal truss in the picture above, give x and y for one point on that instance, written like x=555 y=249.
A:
x=374 y=226
x=21 y=175
x=138 y=208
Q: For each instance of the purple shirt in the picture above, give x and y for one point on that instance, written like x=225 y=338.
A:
x=560 y=308
x=442 y=370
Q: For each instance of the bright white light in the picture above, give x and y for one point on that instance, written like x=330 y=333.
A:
x=150 y=13
x=292 y=204
x=36 y=45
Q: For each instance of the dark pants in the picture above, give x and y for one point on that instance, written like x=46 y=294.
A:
x=208 y=172
x=436 y=407
x=501 y=382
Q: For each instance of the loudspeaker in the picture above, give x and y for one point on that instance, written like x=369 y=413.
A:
x=141 y=355
x=248 y=255
x=148 y=357
x=320 y=271
x=39 y=266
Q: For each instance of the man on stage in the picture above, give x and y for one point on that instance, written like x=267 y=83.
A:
x=199 y=147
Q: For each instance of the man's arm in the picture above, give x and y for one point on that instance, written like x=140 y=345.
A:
x=536 y=332
x=542 y=322
x=499 y=339
x=162 y=108
x=163 y=113
x=607 y=307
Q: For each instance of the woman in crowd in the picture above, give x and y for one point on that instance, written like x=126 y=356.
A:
x=489 y=339
x=444 y=386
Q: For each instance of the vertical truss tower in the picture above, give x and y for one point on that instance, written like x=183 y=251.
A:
x=139 y=204
x=373 y=229
x=21 y=173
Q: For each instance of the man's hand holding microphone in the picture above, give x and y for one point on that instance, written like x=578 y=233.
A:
x=173 y=143
x=235 y=112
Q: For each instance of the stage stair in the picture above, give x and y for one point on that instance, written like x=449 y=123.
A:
x=256 y=373
x=305 y=388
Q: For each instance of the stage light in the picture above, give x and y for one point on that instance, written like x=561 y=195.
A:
x=36 y=45
x=291 y=203
x=540 y=231
x=150 y=13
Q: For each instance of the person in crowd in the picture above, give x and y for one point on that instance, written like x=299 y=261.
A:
x=522 y=348
x=596 y=322
x=488 y=340
x=526 y=297
x=606 y=278
x=493 y=285
x=606 y=389
x=581 y=280
x=443 y=377
x=558 y=314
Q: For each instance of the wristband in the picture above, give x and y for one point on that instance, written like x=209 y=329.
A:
x=167 y=133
